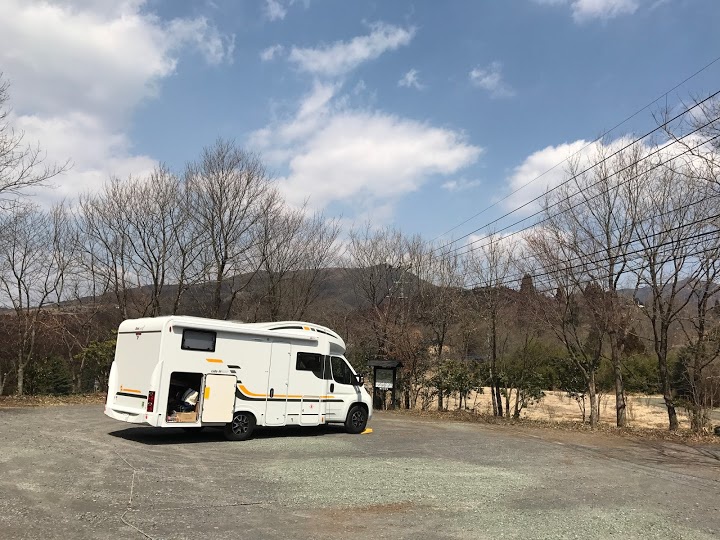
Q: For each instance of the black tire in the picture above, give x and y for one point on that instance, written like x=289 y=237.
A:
x=356 y=419
x=241 y=427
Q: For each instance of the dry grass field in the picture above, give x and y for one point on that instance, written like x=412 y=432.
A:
x=643 y=411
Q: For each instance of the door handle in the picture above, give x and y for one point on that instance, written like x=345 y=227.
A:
x=272 y=392
x=332 y=387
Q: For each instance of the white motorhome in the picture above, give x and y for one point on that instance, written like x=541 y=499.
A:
x=264 y=374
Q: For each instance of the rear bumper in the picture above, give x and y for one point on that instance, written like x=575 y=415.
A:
x=133 y=417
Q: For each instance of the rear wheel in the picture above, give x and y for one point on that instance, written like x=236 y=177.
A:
x=241 y=427
x=356 y=419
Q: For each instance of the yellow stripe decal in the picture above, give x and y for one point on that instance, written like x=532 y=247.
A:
x=123 y=389
x=214 y=360
x=249 y=393
x=207 y=392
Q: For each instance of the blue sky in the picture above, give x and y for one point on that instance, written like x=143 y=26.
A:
x=414 y=114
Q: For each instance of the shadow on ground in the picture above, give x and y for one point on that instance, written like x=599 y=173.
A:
x=155 y=436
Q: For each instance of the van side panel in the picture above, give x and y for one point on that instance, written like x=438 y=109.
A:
x=249 y=358
x=309 y=387
x=277 y=384
x=136 y=357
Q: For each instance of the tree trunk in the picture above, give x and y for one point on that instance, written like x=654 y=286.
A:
x=620 y=405
x=440 y=400
x=217 y=297
x=665 y=380
x=498 y=397
x=492 y=392
x=592 y=394
x=516 y=412
x=20 y=378
x=495 y=380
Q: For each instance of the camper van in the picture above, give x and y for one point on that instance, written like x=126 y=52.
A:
x=189 y=372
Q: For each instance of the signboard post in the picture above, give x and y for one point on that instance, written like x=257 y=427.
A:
x=384 y=381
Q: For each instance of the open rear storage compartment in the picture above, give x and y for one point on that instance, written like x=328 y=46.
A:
x=183 y=404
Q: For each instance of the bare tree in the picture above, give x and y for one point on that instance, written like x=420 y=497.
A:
x=595 y=215
x=22 y=165
x=105 y=249
x=667 y=235
x=696 y=133
x=296 y=248
x=228 y=190
x=33 y=261
x=379 y=264
x=153 y=213
x=378 y=270
x=488 y=269
x=702 y=335
x=187 y=268
x=439 y=300
x=567 y=314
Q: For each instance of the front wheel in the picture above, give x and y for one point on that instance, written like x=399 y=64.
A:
x=241 y=427
x=356 y=420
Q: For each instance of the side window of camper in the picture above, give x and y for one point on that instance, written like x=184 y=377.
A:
x=198 y=340
x=341 y=371
x=310 y=362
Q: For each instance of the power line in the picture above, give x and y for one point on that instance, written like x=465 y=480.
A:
x=619 y=245
x=574 y=176
x=600 y=137
x=551 y=284
x=471 y=248
x=560 y=267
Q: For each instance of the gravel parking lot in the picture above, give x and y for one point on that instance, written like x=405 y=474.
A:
x=70 y=472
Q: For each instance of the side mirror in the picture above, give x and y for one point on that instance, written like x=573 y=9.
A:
x=359 y=380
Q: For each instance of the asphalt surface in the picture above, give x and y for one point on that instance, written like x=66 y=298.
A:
x=71 y=473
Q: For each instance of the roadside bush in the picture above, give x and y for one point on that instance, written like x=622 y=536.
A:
x=640 y=374
x=49 y=375
x=94 y=365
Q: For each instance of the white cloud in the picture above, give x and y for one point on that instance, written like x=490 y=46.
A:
x=411 y=80
x=334 y=153
x=334 y=150
x=375 y=155
x=79 y=69
x=537 y=164
x=585 y=10
x=215 y=47
x=275 y=10
x=97 y=151
x=490 y=78
x=548 y=167
x=278 y=141
x=344 y=56
x=462 y=184
x=271 y=52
